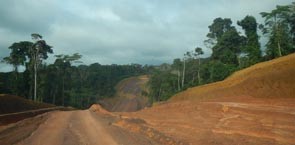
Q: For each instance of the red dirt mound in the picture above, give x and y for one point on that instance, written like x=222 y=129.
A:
x=98 y=109
x=271 y=79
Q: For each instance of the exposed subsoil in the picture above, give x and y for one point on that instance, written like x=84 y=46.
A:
x=234 y=120
x=240 y=120
x=129 y=95
x=253 y=106
x=95 y=126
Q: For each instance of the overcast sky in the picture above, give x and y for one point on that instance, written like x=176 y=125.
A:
x=120 y=31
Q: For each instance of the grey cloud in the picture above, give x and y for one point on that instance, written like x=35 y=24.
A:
x=121 y=31
x=27 y=16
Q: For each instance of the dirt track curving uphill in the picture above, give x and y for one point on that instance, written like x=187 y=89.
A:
x=129 y=95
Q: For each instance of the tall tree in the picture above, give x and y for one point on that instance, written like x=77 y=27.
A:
x=177 y=66
x=278 y=29
x=217 y=29
x=39 y=52
x=224 y=40
x=185 y=56
x=63 y=63
x=17 y=57
x=18 y=54
x=198 y=53
x=291 y=22
x=252 y=48
x=228 y=47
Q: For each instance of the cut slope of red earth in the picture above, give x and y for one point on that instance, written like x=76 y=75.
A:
x=11 y=104
x=14 y=108
x=129 y=95
x=272 y=79
x=253 y=106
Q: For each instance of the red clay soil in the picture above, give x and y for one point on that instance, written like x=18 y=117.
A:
x=236 y=120
x=128 y=97
x=95 y=126
x=15 y=132
x=14 y=108
x=253 y=106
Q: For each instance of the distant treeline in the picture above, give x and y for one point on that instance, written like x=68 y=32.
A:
x=62 y=83
x=65 y=82
x=231 y=51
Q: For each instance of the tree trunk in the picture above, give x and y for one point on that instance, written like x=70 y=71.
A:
x=279 y=48
x=178 y=80
x=53 y=100
x=160 y=91
x=239 y=61
x=35 y=79
x=278 y=39
x=63 y=89
x=183 y=73
x=211 y=74
x=199 y=67
x=54 y=92
x=16 y=80
x=31 y=88
x=193 y=80
x=16 y=72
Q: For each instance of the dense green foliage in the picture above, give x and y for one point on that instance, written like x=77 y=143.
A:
x=62 y=83
x=252 y=45
x=65 y=82
x=231 y=51
x=278 y=25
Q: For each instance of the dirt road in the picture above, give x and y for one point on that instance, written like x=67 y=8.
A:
x=71 y=127
x=129 y=95
x=75 y=127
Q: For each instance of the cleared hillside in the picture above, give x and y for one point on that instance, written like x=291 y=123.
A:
x=271 y=79
x=129 y=95
x=253 y=106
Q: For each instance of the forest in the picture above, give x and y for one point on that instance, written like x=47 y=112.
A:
x=231 y=51
x=67 y=82
x=64 y=82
